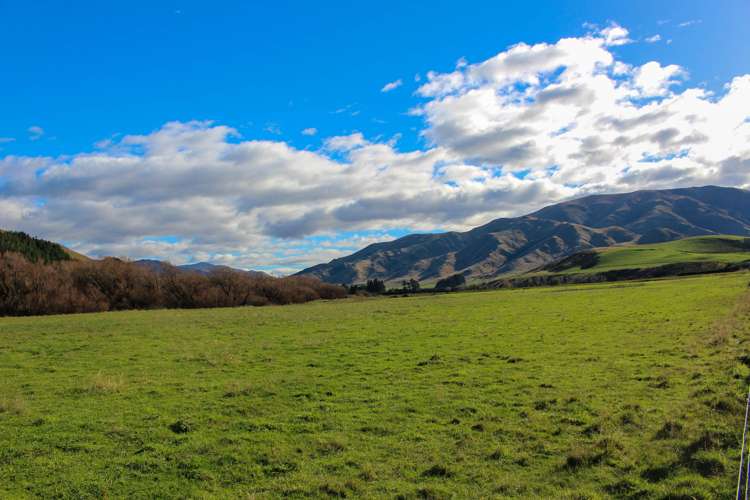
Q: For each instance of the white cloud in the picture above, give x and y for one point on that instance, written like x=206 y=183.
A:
x=573 y=113
x=569 y=115
x=614 y=35
x=653 y=79
x=691 y=22
x=392 y=85
x=522 y=64
x=348 y=109
x=345 y=142
x=35 y=132
x=5 y=140
x=654 y=38
x=272 y=128
x=310 y=131
x=249 y=202
x=620 y=68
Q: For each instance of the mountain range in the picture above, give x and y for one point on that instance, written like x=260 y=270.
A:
x=204 y=268
x=510 y=246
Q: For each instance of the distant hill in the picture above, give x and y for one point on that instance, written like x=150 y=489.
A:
x=203 y=268
x=517 y=245
x=721 y=249
x=35 y=249
x=39 y=250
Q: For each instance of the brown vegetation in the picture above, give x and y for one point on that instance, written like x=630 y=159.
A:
x=28 y=288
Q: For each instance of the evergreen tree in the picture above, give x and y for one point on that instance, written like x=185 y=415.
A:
x=33 y=249
x=375 y=286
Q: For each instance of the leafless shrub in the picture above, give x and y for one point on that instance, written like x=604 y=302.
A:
x=28 y=288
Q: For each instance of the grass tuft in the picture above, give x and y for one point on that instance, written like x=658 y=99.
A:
x=670 y=430
x=437 y=471
x=180 y=427
x=330 y=447
x=106 y=384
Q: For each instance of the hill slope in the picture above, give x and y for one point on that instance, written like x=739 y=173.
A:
x=35 y=249
x=722 y=249
x=520 y=244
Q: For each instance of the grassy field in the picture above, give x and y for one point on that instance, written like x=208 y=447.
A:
x=625 y=390
x=699 y=249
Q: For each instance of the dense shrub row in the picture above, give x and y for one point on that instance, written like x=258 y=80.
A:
x=110 y=284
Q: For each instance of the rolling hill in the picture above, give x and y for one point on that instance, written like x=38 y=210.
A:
x=721 y=249
x=35 y=249
x=516 y=245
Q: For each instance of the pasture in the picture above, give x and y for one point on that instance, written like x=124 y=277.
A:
x=617 y=390
x=719 y=249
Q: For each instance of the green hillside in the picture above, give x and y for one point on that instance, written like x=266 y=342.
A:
x=35 y=249
x=724 y=249
x=596 y=391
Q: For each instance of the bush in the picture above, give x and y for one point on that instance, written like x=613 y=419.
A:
x=111 y=284
x=451 y=282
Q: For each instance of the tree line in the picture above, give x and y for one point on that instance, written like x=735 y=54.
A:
x=74 y=286
x=377 y=286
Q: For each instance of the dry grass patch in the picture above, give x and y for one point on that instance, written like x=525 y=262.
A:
x=106 y=384
x=15 y=405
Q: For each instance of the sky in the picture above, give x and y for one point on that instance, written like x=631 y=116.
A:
x=279 y=136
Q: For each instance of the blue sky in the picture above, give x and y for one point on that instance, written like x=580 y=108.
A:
x=80 y=76
x=86 y=70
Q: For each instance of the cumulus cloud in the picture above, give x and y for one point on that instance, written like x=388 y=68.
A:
x=392 y=85
x=345 y=142
x=653 y=79
x=571 y=111
x=310 y=131
x=250 y=202
x=534 y=124
x=614 y=35
x=653 y=39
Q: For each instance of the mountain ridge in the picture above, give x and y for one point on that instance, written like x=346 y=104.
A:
x=514 y=245
x=204 y=268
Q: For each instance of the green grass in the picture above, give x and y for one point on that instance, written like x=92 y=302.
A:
x=728 y=249
x=624 y=390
